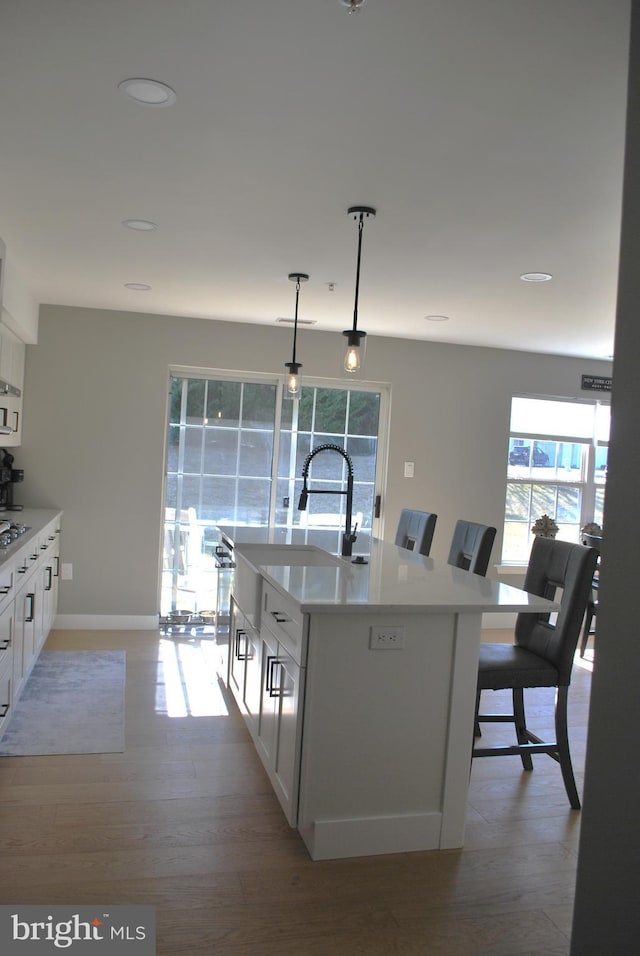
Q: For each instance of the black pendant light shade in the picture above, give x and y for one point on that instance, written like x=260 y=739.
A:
x=293 y=367
x=356 y=339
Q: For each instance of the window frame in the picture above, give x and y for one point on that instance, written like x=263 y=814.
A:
x=587 y=485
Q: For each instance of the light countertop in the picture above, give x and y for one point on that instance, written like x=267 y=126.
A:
x=35 y=519
x=394 y=578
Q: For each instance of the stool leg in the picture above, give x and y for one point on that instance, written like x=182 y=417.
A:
x=562 y=739
x=587 y=627
x=521 y=725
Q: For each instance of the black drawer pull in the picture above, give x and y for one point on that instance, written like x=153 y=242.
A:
x=5 y=711
x=279 y=619
x=6 y=644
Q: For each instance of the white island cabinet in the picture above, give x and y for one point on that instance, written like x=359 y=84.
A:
x=357 y=683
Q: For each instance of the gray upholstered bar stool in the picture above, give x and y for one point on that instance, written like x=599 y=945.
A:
x=542 y=655
x=471 y=546
x=415 y=530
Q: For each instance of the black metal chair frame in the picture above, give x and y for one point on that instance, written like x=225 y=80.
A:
x=542 y=655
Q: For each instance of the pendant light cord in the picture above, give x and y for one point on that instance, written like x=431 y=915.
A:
x=295 y=321
x=355 y=303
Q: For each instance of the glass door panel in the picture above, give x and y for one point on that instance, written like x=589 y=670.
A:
x=235 y=454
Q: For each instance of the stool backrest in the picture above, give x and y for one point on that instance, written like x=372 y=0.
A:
x=415 y=530
x=471 y=546
x=557 y=565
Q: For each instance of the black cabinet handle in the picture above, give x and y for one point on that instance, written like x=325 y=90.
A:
x=4 y=711
x=277 y=616
x=56 y=573
x=377 y=506
x=15 y=427
x=272 y=689
x=240 y=632
x=6 y=644
x=49 y=583
x=31 y=598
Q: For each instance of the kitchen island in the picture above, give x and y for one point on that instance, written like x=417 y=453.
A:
x=357 y=682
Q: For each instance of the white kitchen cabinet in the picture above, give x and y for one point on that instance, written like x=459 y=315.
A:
x=279 y=721
x=29 y=575
x=245 y=667
x=237 y=652
x=12 y=357
x=6 y=663
x=253 y=678
x=27 y=604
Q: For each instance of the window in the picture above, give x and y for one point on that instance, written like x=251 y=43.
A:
x=556 y=465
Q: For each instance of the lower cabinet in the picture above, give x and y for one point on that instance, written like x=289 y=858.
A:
x=279 y=727
x=268 y=685
x=27 y=633
x=6 y=664
x=29 y=594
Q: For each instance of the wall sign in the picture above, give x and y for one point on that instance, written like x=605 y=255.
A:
x=596 y=383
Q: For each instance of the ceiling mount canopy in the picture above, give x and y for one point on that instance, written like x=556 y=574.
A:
x=293 y=377
x=356 y=339
x=354 y=5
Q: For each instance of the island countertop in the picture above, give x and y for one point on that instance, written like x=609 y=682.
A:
x=393 y=578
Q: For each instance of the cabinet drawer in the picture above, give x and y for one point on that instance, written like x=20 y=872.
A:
x=6 y=584
x=287 y=623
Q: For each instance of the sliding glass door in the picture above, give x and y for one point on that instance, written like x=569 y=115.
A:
x=235 y=453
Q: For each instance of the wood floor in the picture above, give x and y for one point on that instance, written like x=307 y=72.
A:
x=185 y=819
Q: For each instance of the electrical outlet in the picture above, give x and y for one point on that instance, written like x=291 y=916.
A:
x=66 y=572
x=388 y=638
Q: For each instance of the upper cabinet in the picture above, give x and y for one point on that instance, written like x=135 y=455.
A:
x=12 y=355
x=18 y=326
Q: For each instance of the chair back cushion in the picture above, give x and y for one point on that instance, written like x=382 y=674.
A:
x=415 y=530
x=471 y=546
x=553 y=566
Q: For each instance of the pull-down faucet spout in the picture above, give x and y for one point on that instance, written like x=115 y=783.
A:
x=349 y=535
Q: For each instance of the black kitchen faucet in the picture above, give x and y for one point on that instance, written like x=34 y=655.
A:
x=349 y=535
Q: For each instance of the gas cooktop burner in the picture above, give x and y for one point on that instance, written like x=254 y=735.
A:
x=10 y=531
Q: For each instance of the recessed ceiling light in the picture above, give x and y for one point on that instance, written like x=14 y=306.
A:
x=437 y=318
x=147 y=92
x=137 y=286
x=139 y=225
x=536 y=277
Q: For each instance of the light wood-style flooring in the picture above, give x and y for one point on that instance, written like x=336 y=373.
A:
x=185 y=819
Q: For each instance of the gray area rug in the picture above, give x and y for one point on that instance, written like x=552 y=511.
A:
x=72 y=703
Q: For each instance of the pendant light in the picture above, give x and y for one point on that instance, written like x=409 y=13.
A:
x=356 y=339
x=293 y=378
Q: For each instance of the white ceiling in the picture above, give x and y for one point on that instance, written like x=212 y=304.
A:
x=488 y=134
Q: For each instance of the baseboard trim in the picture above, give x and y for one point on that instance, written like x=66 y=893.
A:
x=106 y=622
x=497 y=621
x=370 y=836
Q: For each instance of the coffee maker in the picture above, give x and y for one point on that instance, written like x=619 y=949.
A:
x=8 y=477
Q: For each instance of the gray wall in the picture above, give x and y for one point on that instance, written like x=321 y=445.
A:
x=94 y=427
